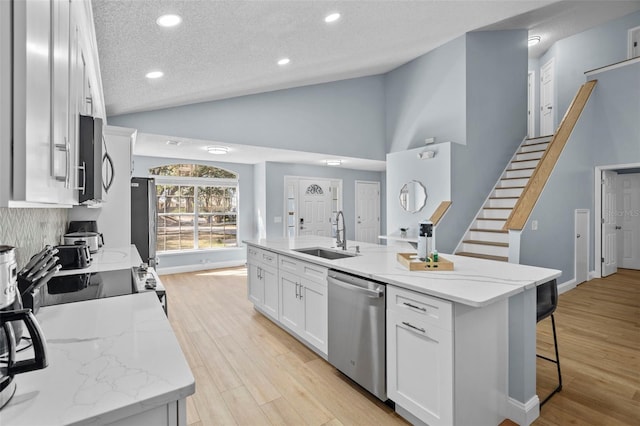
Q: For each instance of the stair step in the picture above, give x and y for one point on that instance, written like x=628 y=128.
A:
x=497 y=231
x=538 y=139
x=534 y=147
x=486 y=243
x=489 y=223
x=502 y=202
x=483 y=256
x=513 y=173
x=508 y=191
x=493 y=235
x=524 y=164
x=530 y=155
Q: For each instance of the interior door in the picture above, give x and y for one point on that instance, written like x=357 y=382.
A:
x=314 y=207
x=629 y=221
x=582 y=245
x=546 y=99
x=609 y=209
x=367 y=211
x=531 y=104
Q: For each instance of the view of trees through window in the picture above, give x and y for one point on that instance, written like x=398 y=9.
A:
x=197 y=209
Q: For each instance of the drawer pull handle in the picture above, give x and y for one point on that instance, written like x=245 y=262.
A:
x=415 y=307
x=422 y=330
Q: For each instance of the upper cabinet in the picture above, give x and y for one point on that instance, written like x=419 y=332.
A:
x=52 y=69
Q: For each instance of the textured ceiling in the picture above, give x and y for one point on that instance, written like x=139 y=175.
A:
x=224 y=48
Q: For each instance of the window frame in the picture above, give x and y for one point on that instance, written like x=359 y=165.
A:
x=197 y=182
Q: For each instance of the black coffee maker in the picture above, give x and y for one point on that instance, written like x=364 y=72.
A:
x=12 y=316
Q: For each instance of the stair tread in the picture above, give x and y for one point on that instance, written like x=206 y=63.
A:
x=522 y=161
x=537 y=143
x=541 y=137
x=509 y=187
x=489 y=218
x=486 y=243
x=514 y=178
x=497 y=208
x=524 y=168
x=482 y=256
x=503 y=198
x=531 y=152
x=495 y=231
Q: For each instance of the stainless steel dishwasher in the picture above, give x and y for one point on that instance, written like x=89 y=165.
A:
x=357 y=333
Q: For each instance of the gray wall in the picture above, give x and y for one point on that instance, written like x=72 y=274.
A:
x=594 y=48
x=274 y=187
x=426 y=98
x=246 y=208
x=344 y=118
x=607 y=133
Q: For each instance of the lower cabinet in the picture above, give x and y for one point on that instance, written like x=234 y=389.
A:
x=262 y=280
x=172 y=414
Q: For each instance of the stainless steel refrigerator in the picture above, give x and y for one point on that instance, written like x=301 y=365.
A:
x=144 y=218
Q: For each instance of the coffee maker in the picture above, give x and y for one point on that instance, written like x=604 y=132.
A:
x=12 y=316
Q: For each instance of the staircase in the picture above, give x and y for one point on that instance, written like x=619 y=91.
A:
x=486 y=238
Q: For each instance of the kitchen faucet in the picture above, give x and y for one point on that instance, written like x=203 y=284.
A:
x=341 y=241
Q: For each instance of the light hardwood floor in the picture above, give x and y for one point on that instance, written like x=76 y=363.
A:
x=250 y=372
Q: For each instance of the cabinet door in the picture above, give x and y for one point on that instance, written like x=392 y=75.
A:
x=290 y=308
x=270 y=282
x=420 y=368
x=315 y=310
x=255 y=284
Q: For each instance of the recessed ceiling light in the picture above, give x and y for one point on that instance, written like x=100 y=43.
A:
x=154 y=74
x=284 y=61
x=217 y=150
x=174 y=143
x=333 y=17
x=333 y=162
x=168 y=20
x=533 y=40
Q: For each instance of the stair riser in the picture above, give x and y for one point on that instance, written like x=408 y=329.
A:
x=495 y=214
x=513 y=182
x=518 y=173
x=538 y=140
x=529 y=156
x=523 y=164
x=488 y=236
x=488 y=224
x=507 y=202
x=482 y=249
x=533 y=147
x=512 y=192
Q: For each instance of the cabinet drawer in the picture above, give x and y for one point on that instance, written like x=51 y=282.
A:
x=255 y=254
x=305 y=270
x=420 y=307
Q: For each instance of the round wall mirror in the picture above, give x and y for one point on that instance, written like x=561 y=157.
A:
x=413 y=196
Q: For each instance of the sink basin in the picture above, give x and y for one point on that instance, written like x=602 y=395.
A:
x=325 y=253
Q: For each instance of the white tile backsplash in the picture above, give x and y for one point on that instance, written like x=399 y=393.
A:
x=29 y=230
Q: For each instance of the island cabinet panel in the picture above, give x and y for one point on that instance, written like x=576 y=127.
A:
x=262 y=280
x=164 y=415
x=290 y=307
x=419 y=359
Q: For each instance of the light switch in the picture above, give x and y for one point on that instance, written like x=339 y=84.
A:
x=534 y=225
x=277 y=219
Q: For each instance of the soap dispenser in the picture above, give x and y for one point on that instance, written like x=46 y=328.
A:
x=425 y=239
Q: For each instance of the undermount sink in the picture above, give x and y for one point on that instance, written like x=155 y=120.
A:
x=325 y=253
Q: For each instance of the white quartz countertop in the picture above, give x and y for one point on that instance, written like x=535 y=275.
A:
x=109 y=259
x=108 y=359
x=473 y=282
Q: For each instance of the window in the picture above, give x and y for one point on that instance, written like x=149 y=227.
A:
x=197 y=207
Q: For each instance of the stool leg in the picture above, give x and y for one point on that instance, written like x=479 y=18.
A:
x=556 y=361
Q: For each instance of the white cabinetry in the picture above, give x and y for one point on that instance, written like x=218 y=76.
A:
x=39 y=147
x=445 y=361
x=303 y=300
x=262 y=280
x=172 y=414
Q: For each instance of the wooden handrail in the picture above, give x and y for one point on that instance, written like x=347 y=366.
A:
x=530 y=194
x=440 y=211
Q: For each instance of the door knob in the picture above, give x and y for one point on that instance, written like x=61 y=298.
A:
x=578 y=236
x=618 y=227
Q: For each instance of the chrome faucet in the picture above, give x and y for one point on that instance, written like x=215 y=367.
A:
x=341 y=241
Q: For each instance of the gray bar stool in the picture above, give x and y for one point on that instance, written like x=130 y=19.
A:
x=546 y=303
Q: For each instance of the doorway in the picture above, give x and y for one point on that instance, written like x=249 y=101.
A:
x=609 y=243
x=367 y=211
x=582 y=245
x=531 y=105
x=311 y=205
x=628 y=219
x=547 y=93
x=634 y=43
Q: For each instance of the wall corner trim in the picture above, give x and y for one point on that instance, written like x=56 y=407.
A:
x=524 y=413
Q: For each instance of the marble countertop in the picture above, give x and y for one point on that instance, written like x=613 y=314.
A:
x=108 y=359
x=109 y=259
x=473 y=282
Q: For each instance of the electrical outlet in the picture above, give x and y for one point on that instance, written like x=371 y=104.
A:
x=277 y=219
x=534 y=225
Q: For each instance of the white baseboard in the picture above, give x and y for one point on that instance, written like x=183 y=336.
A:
x=566 y=286
x=593 y=275
x=524 y=414
x=200 y=267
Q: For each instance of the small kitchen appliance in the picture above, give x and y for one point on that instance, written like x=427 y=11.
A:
x=74 y=256
x=94 y=240
x=12 y=316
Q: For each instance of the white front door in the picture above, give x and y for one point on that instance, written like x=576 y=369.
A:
x=609 y=216
x=582 y=245
x=314 y=207
x=367 y=211
x=629 y=221
x=546 y=99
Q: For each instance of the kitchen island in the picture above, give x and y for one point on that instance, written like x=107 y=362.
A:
x=113 y=361
x=474 y=327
